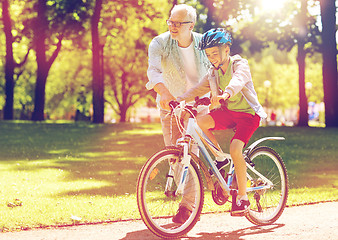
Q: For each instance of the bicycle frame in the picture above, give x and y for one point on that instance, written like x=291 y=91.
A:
x=194 y=131
x=199 y=137
x=173 y=177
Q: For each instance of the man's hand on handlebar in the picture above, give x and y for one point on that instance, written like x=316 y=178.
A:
x=165 y=100
x=173 y=104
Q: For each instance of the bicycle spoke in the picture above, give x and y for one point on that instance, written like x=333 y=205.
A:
x=268 y=203
x=157 y=207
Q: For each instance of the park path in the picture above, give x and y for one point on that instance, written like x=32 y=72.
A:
x=309 y=222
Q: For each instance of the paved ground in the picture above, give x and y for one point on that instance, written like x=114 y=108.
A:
x=311 y=222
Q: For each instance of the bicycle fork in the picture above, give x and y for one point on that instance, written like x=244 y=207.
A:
x=185 y=162
x=184 y=173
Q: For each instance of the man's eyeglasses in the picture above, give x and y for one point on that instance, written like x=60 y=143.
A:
x=176 y=24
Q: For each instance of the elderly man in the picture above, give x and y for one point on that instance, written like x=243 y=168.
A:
x=175 y=66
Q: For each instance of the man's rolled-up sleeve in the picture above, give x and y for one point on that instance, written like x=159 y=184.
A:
x=154 y=72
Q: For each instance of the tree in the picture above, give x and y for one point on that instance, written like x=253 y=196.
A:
x=212 y=18
x=44 y=64
x=284 y=27
x=70 y=90
x=127 y=82
x=10 y=63
x=98 y=78
x=55 y=20
x=288 y=30
x=329 y=51
x=301 y=40
x=130 y=27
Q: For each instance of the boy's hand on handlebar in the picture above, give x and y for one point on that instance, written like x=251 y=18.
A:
x=215 y=100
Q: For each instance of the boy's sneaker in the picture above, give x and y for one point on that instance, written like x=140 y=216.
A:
x=219 y=165
x=239 y=208
x=182 y=215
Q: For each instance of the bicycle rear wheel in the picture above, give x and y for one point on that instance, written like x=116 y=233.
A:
x=267 y=204
x=156 y=206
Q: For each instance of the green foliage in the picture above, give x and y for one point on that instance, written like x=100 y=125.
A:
x=281 y=69
x=130 y=30
x=69 y=85
x=262 y=22
x=64 y=18
x=24 y=91
x=126 y=29
x=314 y=76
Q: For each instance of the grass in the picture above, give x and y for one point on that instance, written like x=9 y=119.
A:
x=63 y=174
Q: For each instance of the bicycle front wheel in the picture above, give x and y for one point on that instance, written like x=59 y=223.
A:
x=269 y=177
x=158 y=204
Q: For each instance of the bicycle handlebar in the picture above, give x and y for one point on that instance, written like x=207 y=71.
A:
x=173 y=104
x=202 y=101
x=198 y=101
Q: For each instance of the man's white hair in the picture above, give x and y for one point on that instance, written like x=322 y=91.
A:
x=191 y=12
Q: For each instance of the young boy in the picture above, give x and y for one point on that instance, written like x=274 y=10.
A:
x=229 y=79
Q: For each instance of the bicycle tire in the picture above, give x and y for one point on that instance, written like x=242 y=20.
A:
x=157 y=209
x=267 y=205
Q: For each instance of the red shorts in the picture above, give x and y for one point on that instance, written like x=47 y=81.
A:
x=245 y=123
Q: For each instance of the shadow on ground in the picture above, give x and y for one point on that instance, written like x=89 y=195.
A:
x=107 y=153
x=230 y=235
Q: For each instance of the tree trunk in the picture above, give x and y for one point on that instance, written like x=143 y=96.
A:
x=42 y=71
x=43 y=64
x=329 y=51
x=123 y=113
x=303 y=104
x=10 y=64
x=97 y=84
x=39 y=100
x=210 y=15
x=173 y=5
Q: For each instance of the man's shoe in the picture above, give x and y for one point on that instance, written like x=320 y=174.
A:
x=240 y=208
x=182 y=215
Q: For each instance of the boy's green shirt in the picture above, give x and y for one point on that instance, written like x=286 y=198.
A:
x=237 y=102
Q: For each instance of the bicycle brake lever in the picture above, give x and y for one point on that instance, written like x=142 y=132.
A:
x=224 y=103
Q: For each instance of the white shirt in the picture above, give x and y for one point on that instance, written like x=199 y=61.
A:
x=188 y=59
x=166 y=64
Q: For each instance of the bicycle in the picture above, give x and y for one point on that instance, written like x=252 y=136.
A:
x=159 y=194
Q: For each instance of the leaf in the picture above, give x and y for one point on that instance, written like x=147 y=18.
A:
x=75 y=218
x=15 y=203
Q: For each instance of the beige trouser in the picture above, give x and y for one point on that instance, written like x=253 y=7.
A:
x=170 y=137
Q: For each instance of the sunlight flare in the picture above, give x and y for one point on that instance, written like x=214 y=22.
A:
x=272 y=5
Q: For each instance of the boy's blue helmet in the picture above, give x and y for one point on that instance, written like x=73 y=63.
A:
x=215 y=37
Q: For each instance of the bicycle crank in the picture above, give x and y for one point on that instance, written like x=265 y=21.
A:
x=219 y=196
